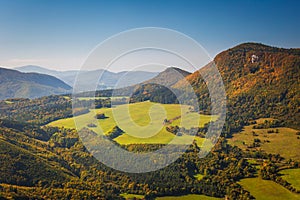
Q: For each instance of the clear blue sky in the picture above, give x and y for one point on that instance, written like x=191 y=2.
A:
x=60 y=34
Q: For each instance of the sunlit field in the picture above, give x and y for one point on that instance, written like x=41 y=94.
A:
x=267 y=190
x=285 y=142
x=142 y=122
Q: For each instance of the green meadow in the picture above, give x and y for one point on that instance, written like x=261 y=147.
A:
x=199 y=176
x=132 y=196
x=292 y=176
x=267 y=190
x=284 y=142
x=185 y=197
x=188 y=197
x=142 y=122
x=95 y=98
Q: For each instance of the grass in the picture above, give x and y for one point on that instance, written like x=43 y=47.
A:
x=284 y=143
x=254 y=163
x=8 y=102
x=131 y=196
x=199 y=176
x=185 y=197
x=267 y=190
x=292 y=176
x=188 y=197
x=94 y=98
x=67 y=97
x=142 y=122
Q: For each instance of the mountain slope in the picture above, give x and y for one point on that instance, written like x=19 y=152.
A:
x=260 y=81
x=27 y=159
x=14 y=84
x=158 y=88
x=169 y=77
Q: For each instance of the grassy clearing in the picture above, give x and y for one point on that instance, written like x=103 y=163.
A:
x=94 y=98
x=188 y=197
x=292 y=176
x=267 y=190
x=143 y=123
x=132 y=196
x=199 y=176
x=254 y=163
x=67 y=97
x=185 y=197
x=8 y=102
x=284 y=142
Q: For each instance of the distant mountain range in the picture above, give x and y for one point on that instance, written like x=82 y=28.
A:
x=89 y=78
x=145 y=89
x=34 y=81
x=15 y=84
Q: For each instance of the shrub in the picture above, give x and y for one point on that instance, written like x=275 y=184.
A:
x=100 y=116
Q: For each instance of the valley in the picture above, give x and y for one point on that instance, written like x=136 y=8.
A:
x=255 y=157
x=138 y=114
x=149 y=100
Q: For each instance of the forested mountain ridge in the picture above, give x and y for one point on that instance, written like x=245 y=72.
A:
x=15 y=84
x=158 y=88
x=169 y=76
x=260 y=81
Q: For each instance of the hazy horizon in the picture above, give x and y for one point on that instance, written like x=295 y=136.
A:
x=122 y=70
x=58 y=70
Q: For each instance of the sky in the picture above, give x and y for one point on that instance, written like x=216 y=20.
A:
x=61 y=34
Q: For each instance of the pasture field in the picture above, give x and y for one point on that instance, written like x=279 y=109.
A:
x=267 y=190
x=142 y=122
x=67 y=97
x=188 y=197
x=284 y=142
x=132 y=196
x=185 y=197
x=199 y=176
x=292 y=176
x=95 y=98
